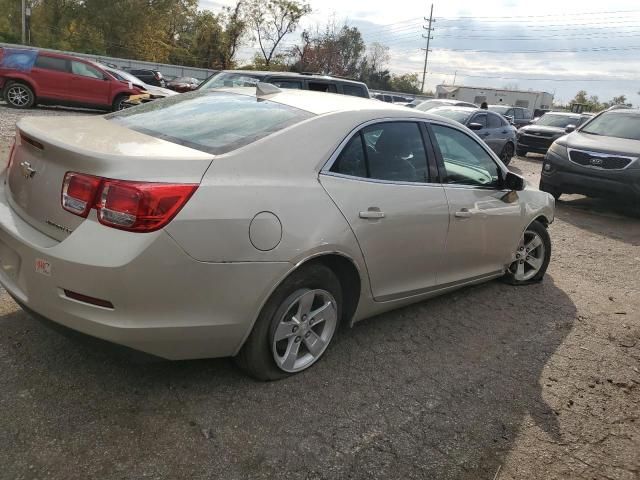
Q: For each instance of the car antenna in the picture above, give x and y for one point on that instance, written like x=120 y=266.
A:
x=264 y=89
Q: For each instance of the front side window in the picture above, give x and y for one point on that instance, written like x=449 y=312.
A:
x=84 y=70
x=293 y=84
x=51 y=63
x=494 y=121
x=480 y=119
x=354 y=91
x=518 y=114
x=392 y=151
x=465 y=161
x=323 y=87
x=211 y=121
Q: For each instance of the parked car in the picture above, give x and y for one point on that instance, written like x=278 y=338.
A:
x=180 y=232
x=297 y=81
x=538 y=112
x=538 y=137
x=51 y=78
x=518 y=116
x=183 y=84
x=442 y=102
x=491 y=127
x=154 y=91
x=600 y=158
x=395 y=99
x=150 y=77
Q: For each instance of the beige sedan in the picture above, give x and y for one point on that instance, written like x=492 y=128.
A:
x=254 y=222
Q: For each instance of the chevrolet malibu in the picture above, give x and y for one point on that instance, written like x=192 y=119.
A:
x=254 y=222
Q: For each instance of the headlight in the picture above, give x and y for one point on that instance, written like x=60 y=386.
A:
x=558 y=149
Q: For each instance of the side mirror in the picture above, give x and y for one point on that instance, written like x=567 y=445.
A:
x=475 y=126
x=509 y=119
x=513 y=182
x=569 y=129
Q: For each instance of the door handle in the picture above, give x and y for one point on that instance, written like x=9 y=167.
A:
x=372 y=214
x=464 y=213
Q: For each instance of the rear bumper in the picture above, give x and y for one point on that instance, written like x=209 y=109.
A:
x=164 y=302
x=572 y=178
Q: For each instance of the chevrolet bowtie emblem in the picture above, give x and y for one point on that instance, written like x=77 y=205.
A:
x=27 y=171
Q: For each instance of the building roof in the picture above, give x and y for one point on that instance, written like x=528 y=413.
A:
x=453 y=88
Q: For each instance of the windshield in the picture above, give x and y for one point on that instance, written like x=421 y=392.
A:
x=429 y=104
x=618 y=125
x=214 y=122
x=229 y=79
x=127 y=77
x=499 y=109
x=460 y=116
x=184 y=80
x=559 y=121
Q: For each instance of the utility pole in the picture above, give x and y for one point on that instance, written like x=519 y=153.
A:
x=24 y=21
x=429 y=29
x=455 y=75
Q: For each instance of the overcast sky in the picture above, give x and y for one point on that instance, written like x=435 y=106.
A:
x=501 y=42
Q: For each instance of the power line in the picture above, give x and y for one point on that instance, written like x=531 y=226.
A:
x=577 y=14
x=567 y=50
x=534 y=79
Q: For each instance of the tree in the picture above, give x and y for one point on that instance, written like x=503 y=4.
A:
x=406 y=83
x=581 y=97
x=374 y=71
x=272 y=20
x=621 y=100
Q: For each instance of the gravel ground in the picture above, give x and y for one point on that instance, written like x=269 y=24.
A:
x=490 y=382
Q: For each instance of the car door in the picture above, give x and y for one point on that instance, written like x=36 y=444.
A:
x=500 y=132
x=485 y=219
x=52 y=77
x=89 y=85
x=381 y=182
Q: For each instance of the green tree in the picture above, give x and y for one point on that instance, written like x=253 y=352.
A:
x=406 y=83
x=270 y=21
x=581 y=97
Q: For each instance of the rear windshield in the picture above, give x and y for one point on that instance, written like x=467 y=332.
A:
x=210 y=121
x=227 y=79
x=615 y=125
x=459 y=116
x=560 y=121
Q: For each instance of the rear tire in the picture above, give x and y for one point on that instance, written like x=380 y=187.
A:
x=19 y=95
x=265 y=352
x=507 y=153
x=545 y=187
x=532 y=256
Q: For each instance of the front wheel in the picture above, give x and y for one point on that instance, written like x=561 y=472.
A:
x=521 y=153
x=531 y=257
x=19 y=95
x=118 y=103
x=507 y=153
x=295 y=326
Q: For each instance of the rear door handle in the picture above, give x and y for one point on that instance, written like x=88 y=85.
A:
x=372 y=214
x=464 y=213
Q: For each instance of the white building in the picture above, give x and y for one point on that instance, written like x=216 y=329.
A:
x=494 y=96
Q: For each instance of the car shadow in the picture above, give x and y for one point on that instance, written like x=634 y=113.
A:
x=435 y=390
x=595 y=215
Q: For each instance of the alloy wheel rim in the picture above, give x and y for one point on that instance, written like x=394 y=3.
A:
x=304 y=330
x=529 y=256
x=18 y=96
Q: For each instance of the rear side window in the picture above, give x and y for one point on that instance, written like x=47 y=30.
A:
x=392 y=151
x=51 y=63
x=481 y=119
x=214 y=122
x=354 y=91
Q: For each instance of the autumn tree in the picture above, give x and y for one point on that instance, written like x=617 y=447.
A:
x=270 y=21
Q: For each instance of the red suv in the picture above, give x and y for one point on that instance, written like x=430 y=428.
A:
x=29 y=77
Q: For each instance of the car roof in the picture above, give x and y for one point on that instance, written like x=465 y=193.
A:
x=320 y=103
x=569 y=114
x=460 y=108
x=261 y=73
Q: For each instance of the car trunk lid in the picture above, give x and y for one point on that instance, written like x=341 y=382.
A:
x=47 y=148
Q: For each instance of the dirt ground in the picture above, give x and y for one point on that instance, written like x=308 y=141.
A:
x=491 y=382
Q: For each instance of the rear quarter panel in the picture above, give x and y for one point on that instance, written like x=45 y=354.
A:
x=278 y=174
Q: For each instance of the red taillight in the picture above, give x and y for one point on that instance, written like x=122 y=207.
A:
x=131 y=206
x=79 y=193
